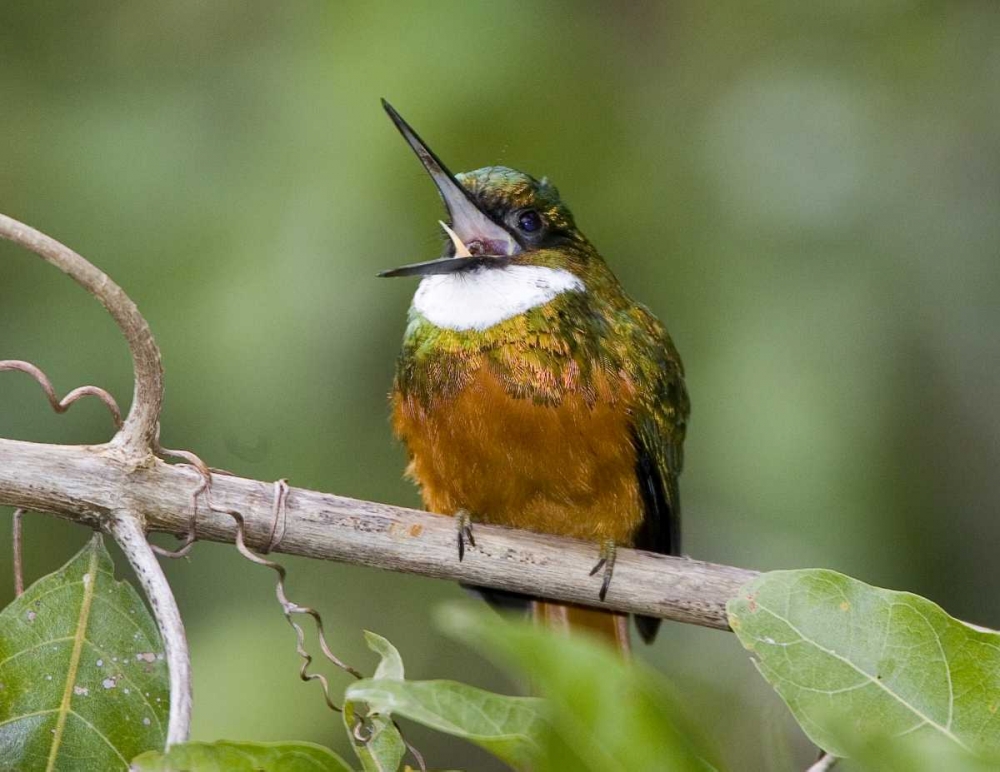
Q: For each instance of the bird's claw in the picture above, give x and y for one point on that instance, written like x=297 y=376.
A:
x=607 y=562
x=463 y=524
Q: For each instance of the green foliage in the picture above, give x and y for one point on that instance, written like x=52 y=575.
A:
x=242 y=757
x=373 y=735
x=885 y=678
x=912 y=754
x=857 y=664
x=602 y=712
x=390 y=663
x=81 y=671
x=374 y=738
x=508 y=727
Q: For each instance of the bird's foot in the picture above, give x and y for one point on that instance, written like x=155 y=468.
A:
x=607 y=562
x=463 y=524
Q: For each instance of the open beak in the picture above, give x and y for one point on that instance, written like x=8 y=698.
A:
x=478 y=239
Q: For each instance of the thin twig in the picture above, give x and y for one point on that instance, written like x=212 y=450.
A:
x=288 y=607
x=62 y=405
x=128 y=533
x=824 y=763
x=417 y=755
x=139 y=429
x=190 y=537
x=16 y=543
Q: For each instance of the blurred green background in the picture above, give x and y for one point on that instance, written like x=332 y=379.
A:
x=807 y=194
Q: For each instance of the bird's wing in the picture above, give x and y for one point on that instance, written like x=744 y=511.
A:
x=659 y=426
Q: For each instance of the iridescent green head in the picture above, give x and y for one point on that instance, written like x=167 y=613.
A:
x=530 y=208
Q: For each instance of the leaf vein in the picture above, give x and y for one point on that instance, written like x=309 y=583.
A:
x=89 y=589
x=944 y=730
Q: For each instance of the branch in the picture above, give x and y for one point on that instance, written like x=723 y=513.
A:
x=134 y=445
x=89 y=483
x=16 y=549
x=127 y=530
x=824 y=763
x=138 y=434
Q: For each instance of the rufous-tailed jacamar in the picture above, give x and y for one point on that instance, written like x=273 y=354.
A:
x=531 y=391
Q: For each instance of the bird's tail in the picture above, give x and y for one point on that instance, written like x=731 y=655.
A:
x=611 y=626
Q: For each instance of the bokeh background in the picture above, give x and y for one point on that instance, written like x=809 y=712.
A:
x=806 y=193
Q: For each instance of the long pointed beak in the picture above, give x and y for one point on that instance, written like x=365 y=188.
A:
x=470 y=224
x=442 y=265
x=463 y=260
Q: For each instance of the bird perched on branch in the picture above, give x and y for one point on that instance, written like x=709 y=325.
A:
x=531 y=391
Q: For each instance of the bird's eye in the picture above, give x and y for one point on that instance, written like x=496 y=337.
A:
x=529 y=221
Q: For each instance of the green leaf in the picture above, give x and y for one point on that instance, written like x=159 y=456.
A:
x=603 y=713
x=854 y=661
x=374 y=737
x=913 y=754
x=242 y=757
x=391 y=664
x=505 y=726
x=82 y=675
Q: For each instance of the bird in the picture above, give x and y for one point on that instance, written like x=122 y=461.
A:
x=531 y=391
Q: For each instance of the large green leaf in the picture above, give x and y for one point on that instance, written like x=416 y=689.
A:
x=505 y=726
x=855 y=661
x=603 y=712
x=83 y=685
x=242 y=757
x=373 y=735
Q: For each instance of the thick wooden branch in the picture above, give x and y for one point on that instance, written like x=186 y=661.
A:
x=90 y=483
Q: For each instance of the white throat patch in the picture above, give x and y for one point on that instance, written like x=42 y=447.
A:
x=479 y=299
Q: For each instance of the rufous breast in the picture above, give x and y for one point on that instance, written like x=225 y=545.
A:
x=566 y=468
